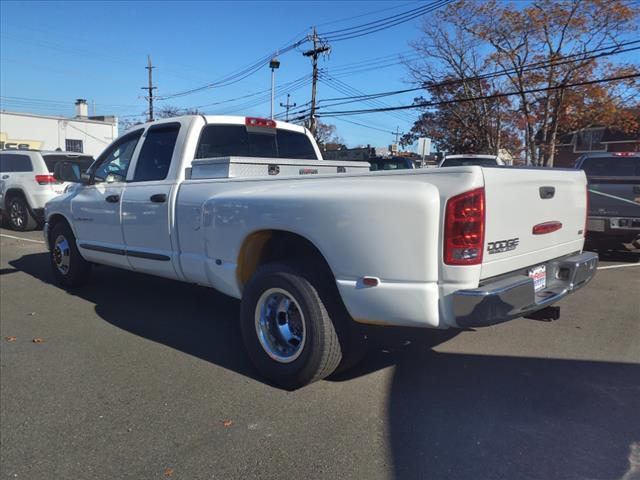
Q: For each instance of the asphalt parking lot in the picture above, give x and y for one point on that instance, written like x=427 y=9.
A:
x=144 y=378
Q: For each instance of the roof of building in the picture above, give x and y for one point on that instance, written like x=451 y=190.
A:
x=93 y=119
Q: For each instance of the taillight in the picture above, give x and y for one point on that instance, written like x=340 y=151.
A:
x=259 y=122
x=45 y=179
x=464 y=228
x=546 y=227
x=623 y=154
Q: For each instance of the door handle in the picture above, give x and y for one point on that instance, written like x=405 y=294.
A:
x=4 y=177
x=158 y=198
x=113 y=198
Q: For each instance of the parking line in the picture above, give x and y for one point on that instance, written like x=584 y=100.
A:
x=619 y=266
x=21 y=238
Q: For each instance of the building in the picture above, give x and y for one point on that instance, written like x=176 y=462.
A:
x=593 y=139
x=81 y=133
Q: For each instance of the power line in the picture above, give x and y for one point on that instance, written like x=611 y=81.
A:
x=382 y=23
x=346 y=89
x=497 y=73
x=362 y=125
x=340 y=20
x=238 y=75
x=484 y=97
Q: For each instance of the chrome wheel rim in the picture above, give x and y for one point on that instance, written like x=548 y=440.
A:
x=62 y=254
x=280 y=325
x=17 y=214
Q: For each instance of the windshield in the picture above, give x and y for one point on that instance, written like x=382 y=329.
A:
x=466 y=161
x=612 y=166
x=237 y=141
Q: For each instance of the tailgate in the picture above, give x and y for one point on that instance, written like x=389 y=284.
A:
x=517 y=200
x=614 y=196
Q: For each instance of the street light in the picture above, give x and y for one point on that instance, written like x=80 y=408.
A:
x=273 y=64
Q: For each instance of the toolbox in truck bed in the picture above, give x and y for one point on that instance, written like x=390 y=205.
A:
x=241 y=167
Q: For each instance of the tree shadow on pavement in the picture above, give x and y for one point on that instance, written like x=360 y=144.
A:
x=460 y=416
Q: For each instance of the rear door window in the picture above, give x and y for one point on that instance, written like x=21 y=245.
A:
x=464 y=162
x=237 y=141
x=79 y=162
x=156 y=153
x=14 y=162
x=612 y=167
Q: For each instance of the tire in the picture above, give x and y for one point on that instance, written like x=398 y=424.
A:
x=20 y=216
x=69 y=268
x=286 y=328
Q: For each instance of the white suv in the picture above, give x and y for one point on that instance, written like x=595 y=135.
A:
x=27 y=183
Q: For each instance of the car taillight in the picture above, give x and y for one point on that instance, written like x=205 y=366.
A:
x=623 y=154
x=259 y=122
x=45 y=179
x=464 y=228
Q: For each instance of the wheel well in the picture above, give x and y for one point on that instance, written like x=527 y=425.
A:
x=54 y=220
x=267 y=246
x=14 y=192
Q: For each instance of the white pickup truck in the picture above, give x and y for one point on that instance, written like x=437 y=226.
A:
x=312 y=247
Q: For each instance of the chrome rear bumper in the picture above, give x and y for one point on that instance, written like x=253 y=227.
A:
x=514 y=296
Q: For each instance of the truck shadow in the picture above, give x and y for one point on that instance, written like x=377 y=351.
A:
x=449 y=415
x=196 y=320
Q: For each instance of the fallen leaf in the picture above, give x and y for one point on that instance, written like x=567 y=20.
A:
x=10 y=339
x=227 y=423
x=168 y=472
x=38 y=340
x=32 y=314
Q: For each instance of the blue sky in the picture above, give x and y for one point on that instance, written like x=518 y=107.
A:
x=54 y=52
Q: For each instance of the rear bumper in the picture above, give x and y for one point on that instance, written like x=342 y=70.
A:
x=599 y=227
x=513 y=296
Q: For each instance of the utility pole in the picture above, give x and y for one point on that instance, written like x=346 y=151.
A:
x=397 y=134
x=287 y=106
x=150 y=88
x=318 y=48
x=273 y=65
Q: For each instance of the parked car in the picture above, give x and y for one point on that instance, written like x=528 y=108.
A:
x=468 y=159
x=614 y=198
x=393 y=163
x=313 y=248
x=27 y=183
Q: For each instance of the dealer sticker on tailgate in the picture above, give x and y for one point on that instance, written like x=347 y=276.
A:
x=539 y=276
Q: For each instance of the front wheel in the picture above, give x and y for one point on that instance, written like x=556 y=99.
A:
x=286 y=328
x=68 y=266
x=20 y=217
